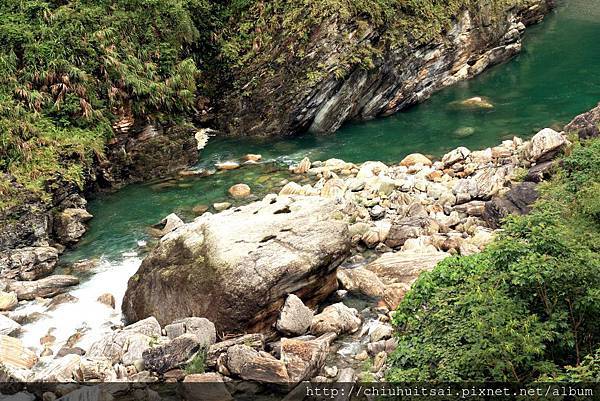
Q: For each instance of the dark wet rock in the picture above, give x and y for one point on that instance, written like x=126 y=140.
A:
x=540 y=172
x=172 y=354
x=586 y=124
x=516 y=201
x=236 y=268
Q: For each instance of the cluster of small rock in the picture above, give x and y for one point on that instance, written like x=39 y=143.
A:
x=418 y=212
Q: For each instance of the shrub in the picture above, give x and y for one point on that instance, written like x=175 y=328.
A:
x=525 y=308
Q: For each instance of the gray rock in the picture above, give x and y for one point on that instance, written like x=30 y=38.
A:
x=8 y=326
x=404 y=267
x=410 y=227
x=295 y=317
x=249 y=364
x=360 y=280
x=30 y=263
x=114 y=345
x=545 y=145
x=336 y=318
x=69 y=225
x=304 y=359
x=202 y=328
x=43 y=288
x=255 y=341
x=235 y=268
x=168 y=224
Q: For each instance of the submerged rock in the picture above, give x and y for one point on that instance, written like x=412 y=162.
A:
x=476 y=102
x=236 y=268
x=239 y=191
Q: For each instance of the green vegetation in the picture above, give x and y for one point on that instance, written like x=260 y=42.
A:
x=197 y=363
x=71 y=70
x=527 y=307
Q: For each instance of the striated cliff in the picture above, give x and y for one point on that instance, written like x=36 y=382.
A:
x=355 y=69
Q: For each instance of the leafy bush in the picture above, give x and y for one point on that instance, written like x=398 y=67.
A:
x=525 y=308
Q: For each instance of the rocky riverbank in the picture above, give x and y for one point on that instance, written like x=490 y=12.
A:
x=298 y=285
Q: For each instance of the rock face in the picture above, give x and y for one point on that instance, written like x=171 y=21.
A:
x=282 y=101
x=236 y=268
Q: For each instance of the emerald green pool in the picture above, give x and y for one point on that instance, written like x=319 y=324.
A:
x=556 y=76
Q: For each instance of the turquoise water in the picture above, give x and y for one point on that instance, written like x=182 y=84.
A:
x=556 y=76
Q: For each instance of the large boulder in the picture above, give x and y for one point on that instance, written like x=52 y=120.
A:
x=237 y=267
x=29 y=263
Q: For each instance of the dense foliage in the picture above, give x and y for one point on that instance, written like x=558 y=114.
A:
x=69 y=70
x=526 y=308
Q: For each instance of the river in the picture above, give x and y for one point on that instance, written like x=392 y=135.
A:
x=553 y=79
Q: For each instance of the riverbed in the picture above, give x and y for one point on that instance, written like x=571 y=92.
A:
x=553 y=79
